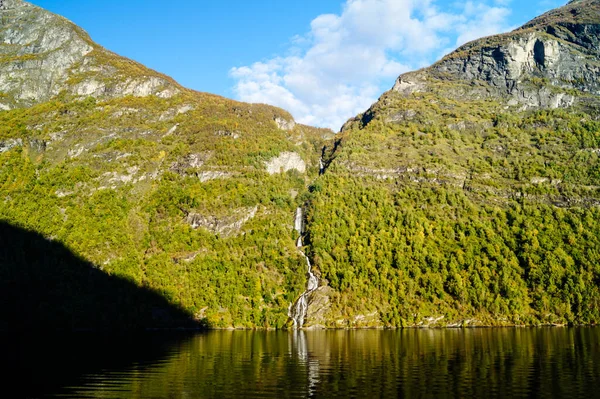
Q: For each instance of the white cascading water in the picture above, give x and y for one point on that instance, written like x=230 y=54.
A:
x=298 y=310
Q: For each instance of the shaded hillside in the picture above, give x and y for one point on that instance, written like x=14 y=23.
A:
x=40 y=364
x=469 y=194
x=44 y=286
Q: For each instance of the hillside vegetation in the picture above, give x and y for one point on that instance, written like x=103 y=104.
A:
x=170 y=190
x=469 y=194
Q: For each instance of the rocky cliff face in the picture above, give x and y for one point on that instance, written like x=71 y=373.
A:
x=43 y=55
x=551 y=62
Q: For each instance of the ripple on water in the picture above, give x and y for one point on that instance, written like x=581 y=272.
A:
x=490 y=363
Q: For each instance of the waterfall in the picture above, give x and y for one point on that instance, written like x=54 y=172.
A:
x=321 y=166
x=299 y=225
x=298 y=310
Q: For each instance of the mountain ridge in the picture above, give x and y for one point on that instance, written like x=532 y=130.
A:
x=55 y=55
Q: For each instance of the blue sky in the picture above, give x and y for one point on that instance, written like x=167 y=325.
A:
x=322 y=60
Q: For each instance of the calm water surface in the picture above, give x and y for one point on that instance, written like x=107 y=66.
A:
x=414 y=363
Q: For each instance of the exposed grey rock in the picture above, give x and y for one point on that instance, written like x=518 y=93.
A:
x=190 y=161
x=551 y=62
x=80 y=148
x=401 y=116
x=172 y=130
x=63 y=193
x=37 y=145
x=112 y=180
x=9 y=144
x=38 y=48
x=11 y=4
x=537 y=66
x=539 y=180
x=172 y=113
x=43 y=54
x=208 y=175
x=143 y=87
x=226 y=133
x=430 y=321
x=413 y=82
x=224 y=226
x=138 y=87
x=285 y=124
x=512 y=66
x=284 y=162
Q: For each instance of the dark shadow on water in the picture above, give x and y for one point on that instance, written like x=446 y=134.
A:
x=61 y=318
x=39 y=365
x=45 y=287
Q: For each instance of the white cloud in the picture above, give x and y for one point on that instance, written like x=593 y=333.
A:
x=483 y=21
x=346 y=61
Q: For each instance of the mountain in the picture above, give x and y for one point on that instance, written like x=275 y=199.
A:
x=185 y=194
x=469 y=193
x=44 y=55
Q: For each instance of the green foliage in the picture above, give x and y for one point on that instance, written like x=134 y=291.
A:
x=427 y=251
x=105 y=182
x=468 y=210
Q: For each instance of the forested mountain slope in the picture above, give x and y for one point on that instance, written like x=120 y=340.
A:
x=187 y=194
x=469 y=194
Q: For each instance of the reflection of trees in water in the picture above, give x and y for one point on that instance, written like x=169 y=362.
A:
x=411 y=363
x=477 y=362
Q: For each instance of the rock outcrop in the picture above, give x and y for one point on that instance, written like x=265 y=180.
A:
x=551 y=62
x=223 y=226
x=43 y=54
x=286 y=161
x=285 y=124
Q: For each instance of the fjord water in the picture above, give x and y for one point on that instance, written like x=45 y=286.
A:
x=489 y=363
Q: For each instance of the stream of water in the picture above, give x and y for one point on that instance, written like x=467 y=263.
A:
x=299 y=309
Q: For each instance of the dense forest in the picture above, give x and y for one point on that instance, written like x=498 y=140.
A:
x=120 y=196
x=494 y=222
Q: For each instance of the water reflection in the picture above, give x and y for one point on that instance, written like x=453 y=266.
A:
x=299 y=346
x=414 y=363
